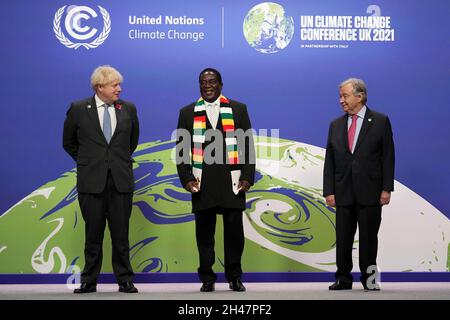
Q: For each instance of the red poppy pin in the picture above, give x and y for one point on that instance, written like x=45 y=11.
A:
x=118 y=106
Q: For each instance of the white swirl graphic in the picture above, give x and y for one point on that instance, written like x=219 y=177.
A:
x=38 y=261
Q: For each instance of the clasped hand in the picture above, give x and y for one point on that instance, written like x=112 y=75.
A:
x=194 y=186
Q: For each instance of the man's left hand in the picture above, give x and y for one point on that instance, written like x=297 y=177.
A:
x=385 y=197
x=244 y=186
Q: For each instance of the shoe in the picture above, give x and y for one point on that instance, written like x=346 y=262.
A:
x=207 y=287
x=86 y=288
x=237 y=285
x=341 y=285
x=127 y=287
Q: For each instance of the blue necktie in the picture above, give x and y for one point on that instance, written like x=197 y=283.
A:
x=107 y=131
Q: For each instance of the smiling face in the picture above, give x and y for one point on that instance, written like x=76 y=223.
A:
x=210 y=86
x=350 y=103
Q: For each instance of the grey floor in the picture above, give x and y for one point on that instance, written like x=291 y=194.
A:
x=255 y=291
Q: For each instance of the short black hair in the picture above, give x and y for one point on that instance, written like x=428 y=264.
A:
x=217 y=73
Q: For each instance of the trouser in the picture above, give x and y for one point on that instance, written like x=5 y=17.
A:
x=114 y=207
x=368 y=220
x=205 y=226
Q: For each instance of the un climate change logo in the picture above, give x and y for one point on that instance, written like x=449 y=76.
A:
x=267 y=28
x=74 y=28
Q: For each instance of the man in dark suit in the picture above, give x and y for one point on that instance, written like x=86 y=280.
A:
x=217 y=132
x=358 y=181
x=100 y=134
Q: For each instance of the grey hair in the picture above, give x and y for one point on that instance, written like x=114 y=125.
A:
x=359 y=87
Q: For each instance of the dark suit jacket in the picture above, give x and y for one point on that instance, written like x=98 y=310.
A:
x=216 y=188
x=359 y=177
x=85 y=142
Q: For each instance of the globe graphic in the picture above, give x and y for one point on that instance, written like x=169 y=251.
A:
x=285 y=216
x=287 y=225
x=267 y=28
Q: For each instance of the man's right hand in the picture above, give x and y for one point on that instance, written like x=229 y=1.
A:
x=192 y=186
x=330 y=200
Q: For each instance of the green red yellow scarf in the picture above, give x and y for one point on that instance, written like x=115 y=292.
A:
x=199 y=128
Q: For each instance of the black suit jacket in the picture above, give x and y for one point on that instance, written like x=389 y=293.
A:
x=85 y=142
x=359 y=177
x=216 y=188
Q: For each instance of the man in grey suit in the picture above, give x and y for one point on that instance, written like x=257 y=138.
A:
x=100 y=134
x=358 y=181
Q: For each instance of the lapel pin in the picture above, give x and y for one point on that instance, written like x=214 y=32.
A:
x=88 y=106
x=370 y=119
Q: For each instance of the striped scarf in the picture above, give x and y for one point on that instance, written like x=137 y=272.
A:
x=226 y=116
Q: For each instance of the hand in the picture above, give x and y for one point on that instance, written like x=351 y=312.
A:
x=193 y=186
x=244 y=185
x=385 y=197
x=331 y=202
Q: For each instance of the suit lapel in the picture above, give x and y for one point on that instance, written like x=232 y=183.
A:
x=93 y=116
x=219 y=123
x=366 y=125
x=118 y=107
x=344 y=131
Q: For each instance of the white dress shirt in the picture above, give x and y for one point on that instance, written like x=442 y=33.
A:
x=112 y=113
x=212 y=111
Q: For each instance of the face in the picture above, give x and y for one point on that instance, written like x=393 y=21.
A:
x=110 y=92
x=350 y=103
x=210 y=87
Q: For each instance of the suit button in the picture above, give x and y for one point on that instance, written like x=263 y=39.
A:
x=106 y=161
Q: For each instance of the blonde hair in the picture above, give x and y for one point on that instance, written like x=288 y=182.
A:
x=103 y=75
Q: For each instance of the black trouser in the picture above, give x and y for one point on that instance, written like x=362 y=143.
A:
x=368 y=220
x=114 y=207
x=205 y=226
